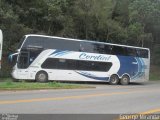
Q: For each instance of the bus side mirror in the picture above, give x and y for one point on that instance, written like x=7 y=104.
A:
x=13 y=58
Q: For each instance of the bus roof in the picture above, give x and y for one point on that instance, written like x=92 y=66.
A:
x=85 y=41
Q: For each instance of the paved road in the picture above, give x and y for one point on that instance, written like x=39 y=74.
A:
x=135 y=98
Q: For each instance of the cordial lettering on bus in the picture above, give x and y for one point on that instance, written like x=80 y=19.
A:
x=85 y=56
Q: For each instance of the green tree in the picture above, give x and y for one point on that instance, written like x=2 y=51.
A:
x=142 y=12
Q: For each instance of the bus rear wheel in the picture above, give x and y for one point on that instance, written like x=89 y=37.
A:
x=125 y=80
x=42 y=76
x=114 y=79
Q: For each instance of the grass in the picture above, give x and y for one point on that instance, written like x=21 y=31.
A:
x=9 y=85
x=154 y=76
x=155 y=73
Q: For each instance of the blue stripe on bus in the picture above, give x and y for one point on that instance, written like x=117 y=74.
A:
x=128 y=65
x=136 y=75
x=55 y=52
x=88 y=75
x=141 y=68
x=60 y=52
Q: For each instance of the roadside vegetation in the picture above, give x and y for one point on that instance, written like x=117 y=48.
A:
x=155 y=73
x=154 y=76
x=8 y=84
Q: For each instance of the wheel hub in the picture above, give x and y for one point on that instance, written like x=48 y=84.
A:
x=42 y=77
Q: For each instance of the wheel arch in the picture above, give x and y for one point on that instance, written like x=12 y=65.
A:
x=126 y=75
x=42 y=71
x=114 y=74
x=112 y=80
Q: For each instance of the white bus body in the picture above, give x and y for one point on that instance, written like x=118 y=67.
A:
x=81 y=65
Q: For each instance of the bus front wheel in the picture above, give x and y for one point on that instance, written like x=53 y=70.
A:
x=41 y=76
x=114 y=79
x=125 y=80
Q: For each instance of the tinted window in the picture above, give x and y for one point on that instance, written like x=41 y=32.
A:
x=108 y=49
x=23 y=60
x=131 y=52
x=93 y=66
x=87 y=47
x=54 y=63
x=142 y=53
x=21 y=42
x=118 y=50
x=26 y=57
x=99 y=48
x=62 y=44
x=33 y=55
x=33 y=41
x=61 y=64
x=50 y=63
x=52 y=43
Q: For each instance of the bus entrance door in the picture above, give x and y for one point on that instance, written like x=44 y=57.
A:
x=23 y=63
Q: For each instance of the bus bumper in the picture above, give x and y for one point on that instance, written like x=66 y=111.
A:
x=14 y=74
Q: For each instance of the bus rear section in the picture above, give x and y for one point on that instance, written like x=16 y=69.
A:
x=1 y=43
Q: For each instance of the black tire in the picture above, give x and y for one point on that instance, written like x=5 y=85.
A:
x=114 y=79
x=125 y=80
x=42 y=77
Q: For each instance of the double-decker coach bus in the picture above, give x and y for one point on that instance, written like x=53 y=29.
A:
x=43 y=58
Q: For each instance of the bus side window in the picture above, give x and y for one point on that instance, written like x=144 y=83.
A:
x=118 y=50
x=62 y=64
x=87 y=47
x=49 y=63
x=143 y=53
x=99 y=48
x=131 y=52
x=108 y=49
x=138 y=52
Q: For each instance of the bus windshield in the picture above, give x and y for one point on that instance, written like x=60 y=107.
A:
x=21 y=42
x=50 y=43
x=26 y=57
